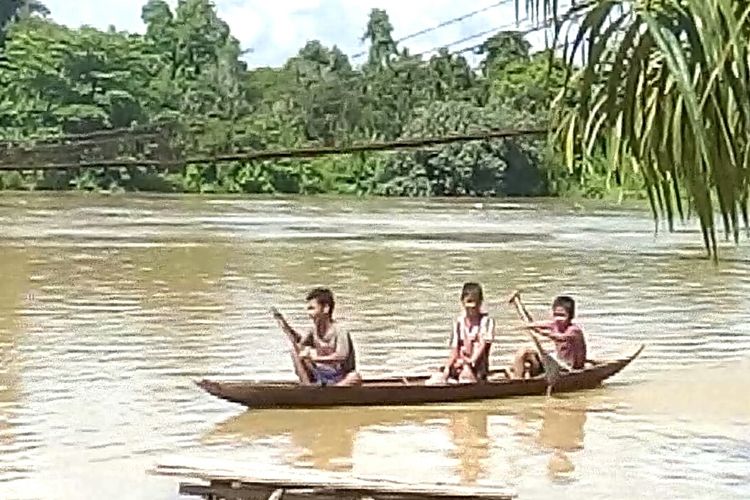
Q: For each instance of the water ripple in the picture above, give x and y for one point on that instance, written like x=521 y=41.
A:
x=110 y=307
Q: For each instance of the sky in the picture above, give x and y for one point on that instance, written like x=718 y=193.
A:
x=276 y=30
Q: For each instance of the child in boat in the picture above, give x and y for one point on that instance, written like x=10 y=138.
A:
x=326 y=348
x=470 y=342
x=570 y=344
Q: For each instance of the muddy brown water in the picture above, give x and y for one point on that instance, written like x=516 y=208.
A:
x=111 y=305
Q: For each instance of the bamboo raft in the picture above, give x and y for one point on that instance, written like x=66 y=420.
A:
x=226 y=480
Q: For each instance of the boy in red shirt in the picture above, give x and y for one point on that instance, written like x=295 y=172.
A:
x=570 y=344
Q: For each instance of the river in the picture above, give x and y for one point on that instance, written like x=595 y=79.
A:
x=111 y=305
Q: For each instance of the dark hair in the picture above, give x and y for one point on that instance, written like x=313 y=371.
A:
x=472 y=290
x=566 y=303
x=324 y=297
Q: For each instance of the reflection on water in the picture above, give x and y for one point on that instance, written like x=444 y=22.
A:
x=562 y=431
x=470 y=438
x=562 y=427
x=325 y=436
x=110 y=306
x=327 y=439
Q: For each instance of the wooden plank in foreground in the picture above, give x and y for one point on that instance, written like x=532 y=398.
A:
x=257 y=480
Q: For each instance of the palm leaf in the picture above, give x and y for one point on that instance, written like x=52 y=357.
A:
x=664 y=90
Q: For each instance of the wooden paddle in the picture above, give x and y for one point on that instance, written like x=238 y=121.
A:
x=299 y=366
x=552 y=369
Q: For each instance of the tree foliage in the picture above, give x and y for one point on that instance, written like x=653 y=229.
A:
x=188 y=70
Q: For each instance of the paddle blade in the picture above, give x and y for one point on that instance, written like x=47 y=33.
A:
x=552 y=368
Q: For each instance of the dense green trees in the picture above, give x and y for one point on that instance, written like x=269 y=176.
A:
x=187 y=71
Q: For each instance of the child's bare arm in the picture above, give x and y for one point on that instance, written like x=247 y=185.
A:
x=569 y=333
x=540 y=327
x=285 y=326
x=452 y=358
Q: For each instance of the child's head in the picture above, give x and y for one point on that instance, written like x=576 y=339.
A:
x=320 y=304
x=472 y=297
x=563 y=310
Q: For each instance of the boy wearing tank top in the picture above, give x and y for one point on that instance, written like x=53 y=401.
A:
x=470 y=342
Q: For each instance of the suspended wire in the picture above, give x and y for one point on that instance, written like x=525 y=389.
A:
x=572 y=14
x=355 y=78
x=293 y=153
x=505 y=27
x=462 y=40
x=569 y=16
x=96 y=137
x=310 y=152
x=525 y=32
x=148 y=130
x=443 y=24
x=454 y=20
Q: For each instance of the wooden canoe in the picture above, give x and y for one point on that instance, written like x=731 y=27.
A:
x=406 y=390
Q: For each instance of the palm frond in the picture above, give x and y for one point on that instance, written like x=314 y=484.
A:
x=663 y=90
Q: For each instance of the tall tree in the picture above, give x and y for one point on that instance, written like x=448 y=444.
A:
x=199 y=71
x=379 y=34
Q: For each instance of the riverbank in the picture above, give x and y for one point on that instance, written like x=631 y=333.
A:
x=137 y=181
x=574 y=202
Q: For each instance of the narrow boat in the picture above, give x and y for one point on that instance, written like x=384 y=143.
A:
x=407 y=390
